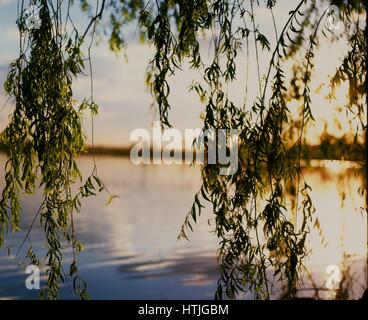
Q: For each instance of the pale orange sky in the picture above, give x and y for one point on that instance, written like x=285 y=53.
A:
x=125 y=101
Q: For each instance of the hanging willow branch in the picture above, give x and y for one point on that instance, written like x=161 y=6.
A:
x=45 y=136
x=260 y=241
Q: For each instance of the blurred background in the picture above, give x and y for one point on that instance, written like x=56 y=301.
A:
x=131 y=248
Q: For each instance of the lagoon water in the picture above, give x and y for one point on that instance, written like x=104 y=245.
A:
x=131 y=248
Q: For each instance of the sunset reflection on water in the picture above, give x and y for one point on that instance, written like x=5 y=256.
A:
x=132 y=250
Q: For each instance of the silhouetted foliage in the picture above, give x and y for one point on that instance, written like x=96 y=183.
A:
x=260 y=241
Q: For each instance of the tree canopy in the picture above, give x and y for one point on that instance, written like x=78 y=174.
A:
x=259 y=234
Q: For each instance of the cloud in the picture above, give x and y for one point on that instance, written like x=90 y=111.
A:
x=11 y=33
x=4 y=2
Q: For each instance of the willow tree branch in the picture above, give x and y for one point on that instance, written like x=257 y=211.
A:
x=98 y=16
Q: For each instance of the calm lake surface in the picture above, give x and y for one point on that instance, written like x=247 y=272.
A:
x=131 y=248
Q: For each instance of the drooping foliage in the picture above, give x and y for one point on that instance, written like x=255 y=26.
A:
x=262 y=240
x=44 y=136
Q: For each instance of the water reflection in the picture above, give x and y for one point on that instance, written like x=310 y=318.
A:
x=131 y=247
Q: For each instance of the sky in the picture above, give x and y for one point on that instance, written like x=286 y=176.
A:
x=124 y=100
